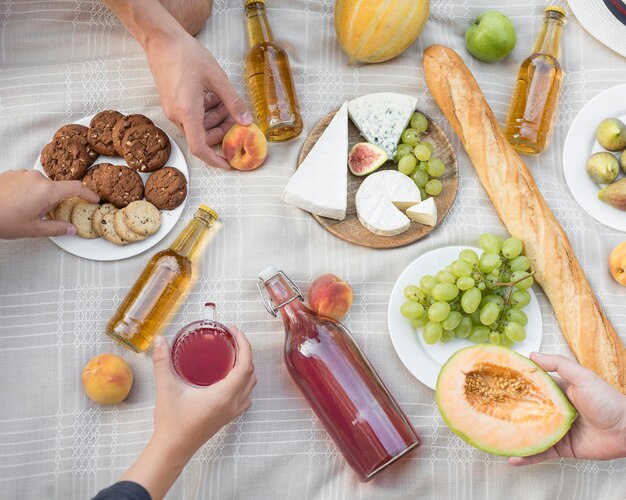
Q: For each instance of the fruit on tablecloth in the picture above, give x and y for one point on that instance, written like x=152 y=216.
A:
x=371 y=32
x=614 y=194
x=611 y=134
x=244 y=147
x=617 y=263
x=622 y=161
x=501 y=402
x=602 y=168
x=491 y=37
x=365 y=158
x=330 y=296
x=107 y=379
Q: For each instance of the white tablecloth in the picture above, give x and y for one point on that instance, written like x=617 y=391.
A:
x=63 y=60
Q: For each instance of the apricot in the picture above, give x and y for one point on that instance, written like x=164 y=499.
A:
x=331 y=297
x=107 y=379
x=245 y=148
x=617 y=263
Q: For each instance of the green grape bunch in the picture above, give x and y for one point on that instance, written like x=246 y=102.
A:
x=479 y=298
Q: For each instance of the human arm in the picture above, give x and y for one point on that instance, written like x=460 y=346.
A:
x=599 y=432
x=25 y=198
x=186 y=417
x=195 y=93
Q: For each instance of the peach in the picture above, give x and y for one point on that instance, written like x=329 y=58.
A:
x=107 y=379
x=330 y=296
x=245 y=148
x=617 y=263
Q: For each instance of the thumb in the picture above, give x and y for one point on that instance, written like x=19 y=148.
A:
x=234 y=104
x=68 y=189
x=54 y=228
x=568 y=370
x=161 y=360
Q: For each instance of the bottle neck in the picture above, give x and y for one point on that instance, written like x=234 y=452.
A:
x=191 y=241
x=259 y=30
x=280 y=292
x=549 y=40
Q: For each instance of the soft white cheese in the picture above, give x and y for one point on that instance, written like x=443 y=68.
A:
x=381 y=118
x=424 y=212
x=380 y=198
x=320 y=185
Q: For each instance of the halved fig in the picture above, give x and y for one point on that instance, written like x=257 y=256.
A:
x=365 y=158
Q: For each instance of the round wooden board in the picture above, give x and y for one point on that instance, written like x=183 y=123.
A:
x=350 y=229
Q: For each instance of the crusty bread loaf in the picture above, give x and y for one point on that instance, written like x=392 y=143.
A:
x=526 y=215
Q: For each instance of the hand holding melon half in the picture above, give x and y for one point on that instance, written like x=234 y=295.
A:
x=372 y=31
x=107 y=379
x=244 y=147
x=617 y=263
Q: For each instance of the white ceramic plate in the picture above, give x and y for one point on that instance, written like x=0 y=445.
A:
x=422 y=360
x=581 y=143
x=103 y=250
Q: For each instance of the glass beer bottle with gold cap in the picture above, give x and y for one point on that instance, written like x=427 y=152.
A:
x=162 y=285
x=269 y=79
x=537 y=88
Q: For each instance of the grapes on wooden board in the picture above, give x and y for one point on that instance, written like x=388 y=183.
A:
x=411 y=137
x=422 y=153
x=436 y=168
x=403 y=150
x=407 y=164
x=433 y=187
x=419 y=122
x=420 y=178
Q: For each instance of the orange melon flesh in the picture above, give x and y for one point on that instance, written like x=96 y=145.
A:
x=501 y=402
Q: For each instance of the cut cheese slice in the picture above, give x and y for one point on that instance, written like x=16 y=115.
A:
x=381 y=118
x=424 y=212
x=320 y=185
x=380 y=200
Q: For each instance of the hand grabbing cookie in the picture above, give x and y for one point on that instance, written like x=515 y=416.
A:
x=25 y=198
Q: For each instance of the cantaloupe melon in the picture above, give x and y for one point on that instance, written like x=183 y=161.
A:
x=501 y=402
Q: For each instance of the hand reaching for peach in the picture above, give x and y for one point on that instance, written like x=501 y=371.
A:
x=244 y=147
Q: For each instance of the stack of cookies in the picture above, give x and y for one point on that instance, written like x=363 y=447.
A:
x=145 y=149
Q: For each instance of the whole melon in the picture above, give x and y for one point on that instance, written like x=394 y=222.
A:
x=372 y=31
x=501 y=402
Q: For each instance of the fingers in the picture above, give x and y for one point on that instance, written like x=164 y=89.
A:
x=244 y=352
x=216 y=134
x=214 y=116
x=161 y=361
x=549 y=454
x=568 y=370
x=233 y=102
x=197 y=139
x=53 y=228
x=60 y=190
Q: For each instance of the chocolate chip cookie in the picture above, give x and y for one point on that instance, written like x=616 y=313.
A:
x=116 y=184
x=100 y=134
x=65 y=159
x=146 y=148
x=122 y=126
x=166 y=188
x=78 y=133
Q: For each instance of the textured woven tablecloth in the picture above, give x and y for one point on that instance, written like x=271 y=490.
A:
x=62 y=60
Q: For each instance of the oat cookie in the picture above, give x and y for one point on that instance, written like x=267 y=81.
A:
x=65 y=159
x=122 y=229
x=121 y=127
x=108 y=230
x=77 y=133
x=142 y=217
x=63 y=210
x=100 y=132
x=166 y=188
x=146 y=148
x=82 y=214
x=116 y=184
x=100 y=212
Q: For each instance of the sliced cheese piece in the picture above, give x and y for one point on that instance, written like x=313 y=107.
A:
x=424 y=212
x=320 y=185
x=381 y=118
x=380 y=200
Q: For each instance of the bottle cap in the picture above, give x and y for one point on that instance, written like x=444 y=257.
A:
x=209 y=211
x=555 y=8
x=268 y=272
x=250 y=2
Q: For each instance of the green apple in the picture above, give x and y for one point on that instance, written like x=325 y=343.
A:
x=491 y=37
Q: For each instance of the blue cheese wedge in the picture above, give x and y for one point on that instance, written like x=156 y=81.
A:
x=380 y=200
x=381 y=118
x=424 y=212
x=320 y=185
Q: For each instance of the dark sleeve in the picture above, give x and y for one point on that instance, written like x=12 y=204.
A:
x=124 y=490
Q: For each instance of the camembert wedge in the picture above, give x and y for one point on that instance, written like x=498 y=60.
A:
x=424 y=212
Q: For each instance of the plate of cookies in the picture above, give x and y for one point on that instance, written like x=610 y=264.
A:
x=135 y=167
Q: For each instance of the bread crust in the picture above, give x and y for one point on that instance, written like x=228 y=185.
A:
x=526 y=215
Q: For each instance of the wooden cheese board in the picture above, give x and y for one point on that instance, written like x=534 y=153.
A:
x=350 y=229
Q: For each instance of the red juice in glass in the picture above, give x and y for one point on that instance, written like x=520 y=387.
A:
x=339 y=383
x=204 y=352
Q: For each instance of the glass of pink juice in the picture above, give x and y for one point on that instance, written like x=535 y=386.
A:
x=204 y=351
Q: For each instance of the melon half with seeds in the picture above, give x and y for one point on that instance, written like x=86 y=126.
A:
x=501 y=402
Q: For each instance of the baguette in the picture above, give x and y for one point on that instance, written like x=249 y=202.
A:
x=526 y=215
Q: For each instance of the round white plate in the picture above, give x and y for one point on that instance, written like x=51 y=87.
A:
x=103 y=250
x=422 y=360
x=581 y=143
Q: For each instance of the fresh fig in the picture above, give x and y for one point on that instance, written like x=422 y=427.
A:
x=614 y=194
x=365 y=158
x=611 y=134
x=602 y=168
x=622 y=160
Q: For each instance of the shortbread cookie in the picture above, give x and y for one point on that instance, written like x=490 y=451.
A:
x=82 y=214
x=78 y=133
x=100 y=134
x=166 y=188
x=142 y=217
x=63 y=210
x=65 y=159
x=121 y=127
x=122 y=229
x=146 y=148
x=96 y=219
x=107 y=229
x=116 y=184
